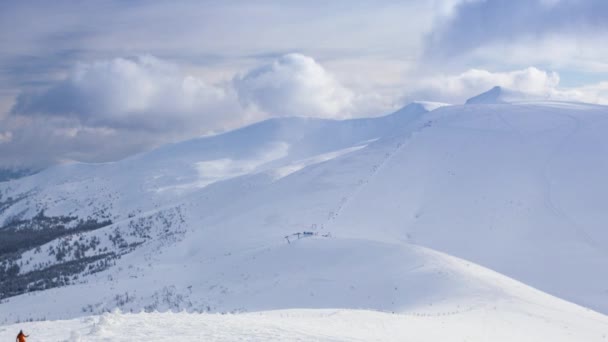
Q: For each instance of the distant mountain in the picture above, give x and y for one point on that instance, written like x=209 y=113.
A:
x=12 y=173
x=390 y=213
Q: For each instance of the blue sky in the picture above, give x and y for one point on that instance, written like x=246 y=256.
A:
x=98 y=81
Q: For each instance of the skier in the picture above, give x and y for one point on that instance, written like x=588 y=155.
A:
x=21 y=337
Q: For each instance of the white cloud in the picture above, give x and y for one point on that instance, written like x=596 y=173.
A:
x=457 y=88
x=531 y=83
x=108 y=109
x=595 y=93
x=294 y=84
x=143 y=92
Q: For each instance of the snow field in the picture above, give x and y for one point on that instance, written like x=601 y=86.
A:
x=500 y=323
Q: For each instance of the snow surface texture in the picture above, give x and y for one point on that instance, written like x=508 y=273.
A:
x=360 y=214
x=504 y=322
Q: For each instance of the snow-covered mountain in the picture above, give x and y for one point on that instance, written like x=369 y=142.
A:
x=403 y=213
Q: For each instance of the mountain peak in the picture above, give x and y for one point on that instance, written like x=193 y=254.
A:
x=495 y=95
x=502 y=95
x=418 y=107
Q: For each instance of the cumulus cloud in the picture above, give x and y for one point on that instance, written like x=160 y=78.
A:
x=457 y=88
x=529 y=83
x=108 y=109
x=294 y=84
x=594 y=93
x=478 y=23
x=142 y=92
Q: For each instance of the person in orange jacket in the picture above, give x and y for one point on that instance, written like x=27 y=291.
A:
x=21 y=337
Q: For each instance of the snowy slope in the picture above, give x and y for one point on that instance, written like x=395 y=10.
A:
x=391 y=205
x=519 y=189
x=504 y=322
x=146 y=181
x=315 y=272
x=436 y=298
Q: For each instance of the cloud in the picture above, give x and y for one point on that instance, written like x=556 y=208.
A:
x=39 y=142
x=594 y=93
x=142 y=92
x=294 y=84
x=529 y=83
x=458 y=88
x=476 y=24
x=6 y=137
x=64 y=31
x=108 y=109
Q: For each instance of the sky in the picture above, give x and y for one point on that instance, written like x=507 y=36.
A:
x=97 y=81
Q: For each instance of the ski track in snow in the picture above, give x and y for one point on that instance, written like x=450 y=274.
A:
x=375 y=170
x=551 y=204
